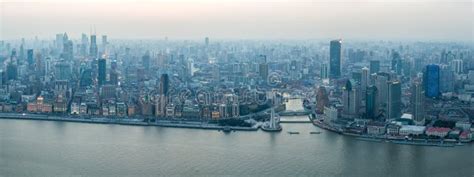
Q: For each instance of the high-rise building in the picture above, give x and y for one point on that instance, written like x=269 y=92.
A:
x=62 y=70
x=364 y=81
x=162 y=100
x=22 y=50
x=457 y=66
x=324 y=71
x=446 y=79
x=381 y=82
x=146 y=60
x=371 y=103
x=12 y=71
x=68 y=52
x=394 y=107
x=102 y=71
x=86 y=78
x=59 y=42
x=164 y=84
x=216 y=73
x=335 y=56
x=330 y=114
x=374 y=66
x=322 y=100
x=84 y=43
x=396 y=63
x=104 y=44
x=357 y=76
x=114 y=77
x=93 y=47
x=29 y=56
x=351 y=98
x=206 y=41
x=431 y=81
x=263 y=71
x=416 y=103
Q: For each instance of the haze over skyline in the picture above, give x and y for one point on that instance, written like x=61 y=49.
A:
x=241 y=19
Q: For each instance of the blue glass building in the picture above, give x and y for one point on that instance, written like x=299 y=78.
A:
x=371 y=108
x=102 y=73
x=335 y=53
x=431 y=81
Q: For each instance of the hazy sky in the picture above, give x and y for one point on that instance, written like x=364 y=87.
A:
x=271 y=19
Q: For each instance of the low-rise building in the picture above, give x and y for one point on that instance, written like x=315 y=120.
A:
x=411 y=130
x=75 y=108
x=376 y=128
x=121 y=109
x=393 y=129
x=83 y=109
x=131 y=109
x=37 y=107
x=437 y=131
x=465 y=136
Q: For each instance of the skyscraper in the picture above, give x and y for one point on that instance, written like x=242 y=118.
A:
x=68 y=53
x=364 y=81
x=396 y=63
x=146 y=60
x=216 y=73
x=84 y=42
x=457 y=66
x=416 y=103
x=351 y=98
x=59 y=42
x=102 y=72
x=381 y=82
x=62 y=70
x=162 y=100
x=29 y=56
x=431 y=81
x=104 y=44
x=93 y=47
x=371 y=104
x=446 y=79
x=374 y=66
x=206 y=41
x=322 y=100
x=263 y=71
x=324 y=71
x=335 y=53
x=394 y=107
x=12 y=71
x=164 y=84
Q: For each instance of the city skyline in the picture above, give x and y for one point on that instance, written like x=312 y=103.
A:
x=186 y=19
x=236 y=88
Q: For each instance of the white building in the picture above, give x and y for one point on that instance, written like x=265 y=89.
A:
x=330 y=114
x=74 y=108
x=411 y=130
x=376 y=129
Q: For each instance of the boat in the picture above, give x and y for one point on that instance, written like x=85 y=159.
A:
x=226 y=129
x=423 y=143
x=314 y=132
x=369 y=139
x=291 y=133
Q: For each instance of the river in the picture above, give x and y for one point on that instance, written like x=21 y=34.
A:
x=48 y=148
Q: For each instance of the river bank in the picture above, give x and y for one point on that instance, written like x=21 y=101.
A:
x=390 y=139
x=133 y=122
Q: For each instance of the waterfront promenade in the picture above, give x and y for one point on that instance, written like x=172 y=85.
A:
x=120 y=121
x=387 y=138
